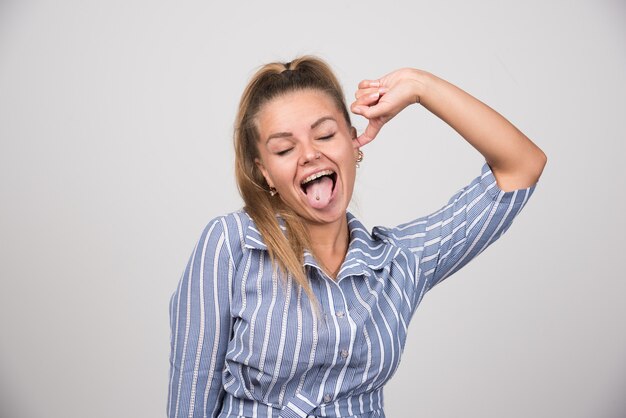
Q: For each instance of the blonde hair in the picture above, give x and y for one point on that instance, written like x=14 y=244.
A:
x=271 y=81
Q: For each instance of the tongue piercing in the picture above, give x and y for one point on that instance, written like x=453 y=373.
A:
x=317 y=196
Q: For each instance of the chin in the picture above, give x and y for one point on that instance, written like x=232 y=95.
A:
x=332 y=214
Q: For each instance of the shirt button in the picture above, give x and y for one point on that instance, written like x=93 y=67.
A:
x=344 y=353
x=340 y=314
x=328 y=397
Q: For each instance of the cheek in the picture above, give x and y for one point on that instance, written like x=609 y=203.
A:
x=280 y=172
x=349 y=168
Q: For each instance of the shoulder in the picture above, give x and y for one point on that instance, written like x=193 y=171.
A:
x=228 y=231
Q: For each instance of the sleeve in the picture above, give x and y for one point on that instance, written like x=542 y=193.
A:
x=200 y=328
x=474 y=218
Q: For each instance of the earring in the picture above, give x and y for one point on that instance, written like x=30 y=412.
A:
x=359 y=158
x=273 y=191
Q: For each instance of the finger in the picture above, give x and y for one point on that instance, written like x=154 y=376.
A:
x=368 y=100
x=364 y=92
x=369 y=134
x=362 y=110
x=361 y=106
x=358 y=110
x=369 y=83
x=366 y=110
x=380 y=109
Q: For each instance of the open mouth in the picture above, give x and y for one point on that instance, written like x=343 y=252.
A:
x=319 y=188
x=316 y=179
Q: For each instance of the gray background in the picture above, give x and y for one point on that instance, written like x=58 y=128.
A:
x=115 y=135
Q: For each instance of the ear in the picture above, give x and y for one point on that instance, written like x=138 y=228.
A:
x=355 y=143
x=261 y=167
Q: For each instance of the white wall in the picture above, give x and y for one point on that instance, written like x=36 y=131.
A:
x=115 y=150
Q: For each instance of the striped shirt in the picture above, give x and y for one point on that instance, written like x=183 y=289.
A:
x=246 y=342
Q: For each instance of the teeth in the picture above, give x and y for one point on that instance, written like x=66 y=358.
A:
x=317 y=175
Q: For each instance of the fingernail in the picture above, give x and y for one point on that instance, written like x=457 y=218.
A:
x=383 y=90
x=374 y=83
x=374 y=95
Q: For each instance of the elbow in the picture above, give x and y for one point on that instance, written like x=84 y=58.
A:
x=525 y=173
x=532 y=168
x=537 y=164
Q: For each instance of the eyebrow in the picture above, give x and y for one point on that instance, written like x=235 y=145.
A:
x=289 y=134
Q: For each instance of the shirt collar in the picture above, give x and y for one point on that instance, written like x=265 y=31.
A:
x=364 y=252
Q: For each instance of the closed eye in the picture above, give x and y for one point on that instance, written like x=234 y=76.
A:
x=284 y=152
x=327 y=137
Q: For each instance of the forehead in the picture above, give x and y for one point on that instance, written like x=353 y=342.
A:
x=296 y=110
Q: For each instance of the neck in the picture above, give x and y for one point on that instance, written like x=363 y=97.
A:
x=329 y=244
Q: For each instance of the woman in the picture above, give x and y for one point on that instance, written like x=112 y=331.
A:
x=289 y=307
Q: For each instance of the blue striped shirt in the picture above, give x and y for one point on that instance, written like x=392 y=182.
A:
x=247 y=343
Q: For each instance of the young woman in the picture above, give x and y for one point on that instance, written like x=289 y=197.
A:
x=289 y=307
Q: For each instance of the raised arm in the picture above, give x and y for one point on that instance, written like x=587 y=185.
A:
x=515 y=160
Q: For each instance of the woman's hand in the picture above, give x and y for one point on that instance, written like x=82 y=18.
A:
x=382 y=99
x=515 y=160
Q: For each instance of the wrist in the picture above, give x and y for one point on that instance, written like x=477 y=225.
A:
x=422 y=82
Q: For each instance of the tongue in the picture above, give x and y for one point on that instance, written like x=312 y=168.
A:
x=319 y=192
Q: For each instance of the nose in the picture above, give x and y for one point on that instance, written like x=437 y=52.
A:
x=309 y=153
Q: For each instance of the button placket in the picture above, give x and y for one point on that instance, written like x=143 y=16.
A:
x=337 y=316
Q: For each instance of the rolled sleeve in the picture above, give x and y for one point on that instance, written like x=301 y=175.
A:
x=474 y=218
x=483 y=212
